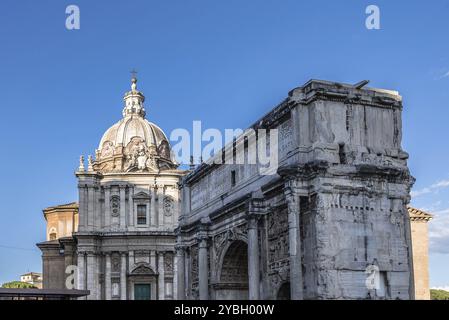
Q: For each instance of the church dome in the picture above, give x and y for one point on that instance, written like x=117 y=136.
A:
x=133 y=143
x=121 y=134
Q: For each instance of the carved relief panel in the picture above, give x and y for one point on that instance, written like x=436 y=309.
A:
x=169 y=206
x=194 y=271
x=278 y=242
x=115 y=206
x=168 y=263
x=115 y=263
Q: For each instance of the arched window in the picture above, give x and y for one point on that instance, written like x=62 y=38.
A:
x=52 y=235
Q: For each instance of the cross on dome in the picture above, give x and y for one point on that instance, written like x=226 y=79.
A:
x=134 y=99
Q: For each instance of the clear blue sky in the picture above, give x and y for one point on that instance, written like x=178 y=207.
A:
x=223 y=62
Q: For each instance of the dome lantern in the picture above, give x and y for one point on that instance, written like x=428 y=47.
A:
x=134 y=144
x=134 y=100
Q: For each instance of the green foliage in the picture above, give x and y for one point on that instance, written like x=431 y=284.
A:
x=439 y=294
x=18 y=285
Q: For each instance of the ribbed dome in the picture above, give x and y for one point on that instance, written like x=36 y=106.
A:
x=133 y=143
x=121 y=134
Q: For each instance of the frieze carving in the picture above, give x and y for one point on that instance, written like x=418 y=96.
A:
x=278 y=241
x=107 y=150
x=140 y=157
x=143 y=268
x=194 y=272
x=281 y=275
x=285 y=138
x=168 y=206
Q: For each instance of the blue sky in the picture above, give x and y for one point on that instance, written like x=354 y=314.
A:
x=222 y=62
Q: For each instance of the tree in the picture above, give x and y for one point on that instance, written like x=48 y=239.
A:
x=18 y=285
x=439 y=294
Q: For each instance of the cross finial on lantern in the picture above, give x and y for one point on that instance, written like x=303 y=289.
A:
x=134 y=80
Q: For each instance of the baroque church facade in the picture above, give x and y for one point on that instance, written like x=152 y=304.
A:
x=336 y=209
x=124 y=243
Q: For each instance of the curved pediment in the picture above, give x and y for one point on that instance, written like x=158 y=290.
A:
x=142 y=269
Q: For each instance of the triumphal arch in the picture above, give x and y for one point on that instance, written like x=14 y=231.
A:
x=330 y=223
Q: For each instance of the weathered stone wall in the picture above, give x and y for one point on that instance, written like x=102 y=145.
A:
x=335 y=209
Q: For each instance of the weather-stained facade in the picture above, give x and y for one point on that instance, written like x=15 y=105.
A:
x=330 y=222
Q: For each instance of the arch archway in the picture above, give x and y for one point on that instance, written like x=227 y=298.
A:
x=284 y=292
x=233 y=275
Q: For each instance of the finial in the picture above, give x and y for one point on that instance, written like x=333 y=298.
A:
x=90 y=167
x=134 y=80
x=81 y=166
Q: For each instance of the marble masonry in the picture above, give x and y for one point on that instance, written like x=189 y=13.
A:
x=335 y=209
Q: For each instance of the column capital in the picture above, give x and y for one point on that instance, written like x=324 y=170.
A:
x=202 y=238
x=252 y=221
x=179 y=248
x=256 y=209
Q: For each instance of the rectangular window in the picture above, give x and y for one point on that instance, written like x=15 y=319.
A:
x=141 y=214
x=233 y=178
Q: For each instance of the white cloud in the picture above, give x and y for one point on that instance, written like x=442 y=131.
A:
x=441 y=184
x=439 y=232
x=445 y=288
x=418 y=193
x=433 y=188
x=445 y=75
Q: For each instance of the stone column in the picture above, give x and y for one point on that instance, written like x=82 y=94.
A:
x=296 y=281
x=107 y=206
x=160 y=195
x=161 y=278
x=176 y=207
x=130 y=259
x=82 y=214
x=153 y=260
x=91 y=273
x=203 y=270
x=187 y=263
x=81 y=272
x=97 y=207
x=253 y=257
x=180 y=274
x=107 y=278
x=90 y=206
x=122 y=207
x=154 y=217
x=123 y=277
x=131 y=205
x=186 y=198
x=175 y=277
x=98 y=285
